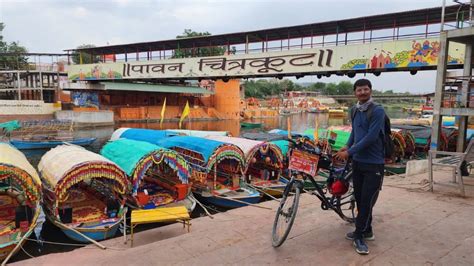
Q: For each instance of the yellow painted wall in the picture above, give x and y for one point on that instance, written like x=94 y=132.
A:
x=227 y=98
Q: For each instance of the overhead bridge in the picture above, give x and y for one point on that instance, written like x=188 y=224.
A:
x=343 y=47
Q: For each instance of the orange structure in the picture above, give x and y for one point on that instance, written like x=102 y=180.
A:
x=227 y=98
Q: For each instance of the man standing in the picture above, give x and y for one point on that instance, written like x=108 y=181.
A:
x=366 y=147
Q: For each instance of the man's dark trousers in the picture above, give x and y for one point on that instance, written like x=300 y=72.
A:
x=367 y=180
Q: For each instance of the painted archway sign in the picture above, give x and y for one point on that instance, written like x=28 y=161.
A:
x=404 y=54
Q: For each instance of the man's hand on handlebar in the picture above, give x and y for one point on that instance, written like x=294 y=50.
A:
x=342 y=154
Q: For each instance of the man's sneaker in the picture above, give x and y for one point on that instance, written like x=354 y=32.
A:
x=360 y=246
x=367 y=236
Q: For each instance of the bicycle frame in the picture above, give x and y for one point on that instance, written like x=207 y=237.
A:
x=320 y=190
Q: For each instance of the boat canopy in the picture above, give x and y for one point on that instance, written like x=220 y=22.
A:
x=13 y=163
x=198 y=133
x=136 y=157
x=67 y=165
x=148 y=135
x=212 y=151
x=251 y=147
x=283 y=145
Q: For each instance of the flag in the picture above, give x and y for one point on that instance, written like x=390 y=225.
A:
x=184 y=114
x=316 y=127
x=289 y=127
x=163 y=113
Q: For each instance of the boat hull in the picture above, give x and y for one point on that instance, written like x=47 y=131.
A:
x=4 y=251
x=26 y=145
x=93 y=233
x=250 y=125
x=395 y=168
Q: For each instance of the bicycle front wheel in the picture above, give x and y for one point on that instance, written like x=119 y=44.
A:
x=345 y=205
x=286 y=213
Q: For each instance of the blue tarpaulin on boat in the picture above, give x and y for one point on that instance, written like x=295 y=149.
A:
x=148 y=135
x=205 y=147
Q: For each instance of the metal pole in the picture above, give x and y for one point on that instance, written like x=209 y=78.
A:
x=471 y=13
x=18 y=84
x=41 y=79
x=246 y=44
x=442 y=15
x=463 y=122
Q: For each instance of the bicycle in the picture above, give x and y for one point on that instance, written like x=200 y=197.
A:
x=304 y=163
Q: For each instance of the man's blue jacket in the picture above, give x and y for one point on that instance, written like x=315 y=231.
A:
x=366 y=140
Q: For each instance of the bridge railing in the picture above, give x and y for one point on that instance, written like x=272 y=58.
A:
x=465 y=18
x=291 y=44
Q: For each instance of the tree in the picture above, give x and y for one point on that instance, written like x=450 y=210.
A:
x=200 y=51
x=16 y=61
x=318 y=86
x=86 y=57
x=344 y=88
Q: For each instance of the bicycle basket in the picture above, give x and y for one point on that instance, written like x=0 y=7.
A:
x=304 y=162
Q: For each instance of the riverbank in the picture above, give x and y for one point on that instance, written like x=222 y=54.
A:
x=412 y=226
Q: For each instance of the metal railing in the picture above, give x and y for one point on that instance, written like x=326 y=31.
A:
x=464 y=18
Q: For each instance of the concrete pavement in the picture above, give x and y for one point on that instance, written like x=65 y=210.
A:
x=412 y=227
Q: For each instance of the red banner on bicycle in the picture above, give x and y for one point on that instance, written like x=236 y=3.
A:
x=304 y=162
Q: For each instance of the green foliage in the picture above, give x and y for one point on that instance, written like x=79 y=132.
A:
x=86 y=57
x=200 y=51
x=263 y=88
x=17 y=61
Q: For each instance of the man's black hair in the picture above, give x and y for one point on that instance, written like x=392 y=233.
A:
x=362 y=82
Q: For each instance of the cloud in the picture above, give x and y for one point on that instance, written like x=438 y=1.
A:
x=55 y=25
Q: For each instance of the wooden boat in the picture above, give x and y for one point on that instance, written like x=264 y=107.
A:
x=263 y=163
x=217 y=171
x=250 y=125
x=322 y=109
x=395 y=168
x=336 y=112
x=20 y=198
x=84 y=193
x=159 y=176
x=47 y=144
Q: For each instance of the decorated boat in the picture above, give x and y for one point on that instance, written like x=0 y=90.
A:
x=159 y=176
x=217 y=170
x=20 y=198
x=263 y=163
x=83 y=193
x=217 y=166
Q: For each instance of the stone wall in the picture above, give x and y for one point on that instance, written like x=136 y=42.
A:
x=87 y=118
x=28 y=107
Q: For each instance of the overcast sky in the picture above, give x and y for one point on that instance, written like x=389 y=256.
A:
x=53 y=25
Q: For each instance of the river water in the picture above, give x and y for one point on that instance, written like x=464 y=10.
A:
x=299 y=123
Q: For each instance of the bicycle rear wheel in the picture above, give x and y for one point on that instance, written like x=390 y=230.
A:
x=345 y=205
x=286 y=213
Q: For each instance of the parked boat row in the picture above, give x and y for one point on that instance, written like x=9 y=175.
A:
x=87 y=195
